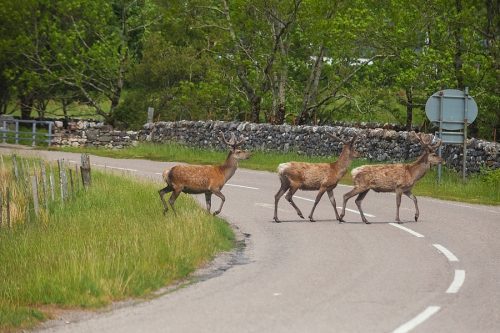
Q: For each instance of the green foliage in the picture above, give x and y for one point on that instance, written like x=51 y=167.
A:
x=251 y=60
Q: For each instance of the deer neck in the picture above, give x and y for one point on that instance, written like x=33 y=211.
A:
x=420 y=167
x=341 y=164
x=228 y=168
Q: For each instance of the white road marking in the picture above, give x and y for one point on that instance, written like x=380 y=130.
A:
x=242 y=186
x=112 y=167
x=446 y=252
x=349 y=210
x=423 y=316
x=457 y=283
x=414 y=233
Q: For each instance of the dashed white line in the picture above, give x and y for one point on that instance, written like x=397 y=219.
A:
x=349 y=210
x=423 y=316
x=457 y=283
x=242 y=186
x=447 y=253
x=414 y=233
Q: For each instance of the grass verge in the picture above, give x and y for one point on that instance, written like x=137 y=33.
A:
x=483 y=188
x=109 y=244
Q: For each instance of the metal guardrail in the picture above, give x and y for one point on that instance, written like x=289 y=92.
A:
x=16 y=135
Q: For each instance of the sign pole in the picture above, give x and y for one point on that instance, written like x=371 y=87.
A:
x=464 y=162
x=440 y=132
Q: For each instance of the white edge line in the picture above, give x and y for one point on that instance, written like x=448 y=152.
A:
x=446 y=252
x=349 y=210
x=112 y=167
x=423 y=316
x=242 y=186
x=457 y=283
x=414 y=233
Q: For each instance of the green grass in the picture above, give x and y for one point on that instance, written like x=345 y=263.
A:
x=483 y=188
x=109 y=244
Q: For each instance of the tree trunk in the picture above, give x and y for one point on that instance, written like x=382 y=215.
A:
x=26 y=106
x=255 y=104
x=409 y=108
x=307 y=113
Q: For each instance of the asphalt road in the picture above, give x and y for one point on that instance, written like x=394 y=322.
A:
x=441 y=274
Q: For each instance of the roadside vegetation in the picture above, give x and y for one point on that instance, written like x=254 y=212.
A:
x=482 y=188
x=108 y=243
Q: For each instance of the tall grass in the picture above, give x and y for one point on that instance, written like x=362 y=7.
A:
x=109 y=244
x=481 y=188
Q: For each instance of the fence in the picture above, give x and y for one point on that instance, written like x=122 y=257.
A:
x=31 y=188
x=16 y=135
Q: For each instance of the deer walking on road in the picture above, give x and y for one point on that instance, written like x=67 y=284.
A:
x=399 y=178
x=313 y=177
x=207 y=179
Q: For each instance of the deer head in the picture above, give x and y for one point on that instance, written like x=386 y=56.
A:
x=349 y=146
x=429 y=148
x=234 y=145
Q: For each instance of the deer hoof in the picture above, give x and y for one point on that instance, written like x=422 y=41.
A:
x=416 y=218
x=311 y=219
x=301 y=216
x=216 y=213
x=366 y=222
x=276 y=220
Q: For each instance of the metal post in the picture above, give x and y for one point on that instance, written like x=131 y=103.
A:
x=50 y=134
x=17 y=132
x=33 y=136
x=440 y=132
x=150 y=114
x=5 y=130
x=464 y=163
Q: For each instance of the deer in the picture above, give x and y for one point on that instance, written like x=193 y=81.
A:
x=321 y=177
x=399 y=178
x=207 y=179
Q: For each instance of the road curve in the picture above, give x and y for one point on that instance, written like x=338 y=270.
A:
x=441 y=274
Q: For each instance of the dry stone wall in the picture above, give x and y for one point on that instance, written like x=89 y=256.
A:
x=92 y=134
x=384 y=145
x=374 y=144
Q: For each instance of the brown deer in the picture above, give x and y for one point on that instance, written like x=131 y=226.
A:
x=312 y=177
x=398 y=178
x=207 y=179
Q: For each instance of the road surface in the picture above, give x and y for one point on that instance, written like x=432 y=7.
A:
x=440 y=274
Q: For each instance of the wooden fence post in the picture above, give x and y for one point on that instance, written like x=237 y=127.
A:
x=14 y=165
x=8 y=207
x=61 y=180
x=44 y=185
x=51 y=184
x=34 y=187
x=85 y=171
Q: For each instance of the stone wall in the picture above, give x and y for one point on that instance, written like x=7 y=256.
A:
x=374 y=144
x=92 y=134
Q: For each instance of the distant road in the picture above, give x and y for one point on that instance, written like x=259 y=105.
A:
x=441 y=274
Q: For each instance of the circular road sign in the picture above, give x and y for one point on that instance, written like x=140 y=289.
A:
x=451 y=104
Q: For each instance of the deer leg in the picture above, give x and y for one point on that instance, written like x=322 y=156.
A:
x=398 y=203
x=208 y=199
x=284 y=187
x=414 y=198
x=347 y=196
x=173 y=197
x=334 y=204
x=162 y=193
x=318 y=198
x=289 y=197
x=358 y=201
x=223 y=198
